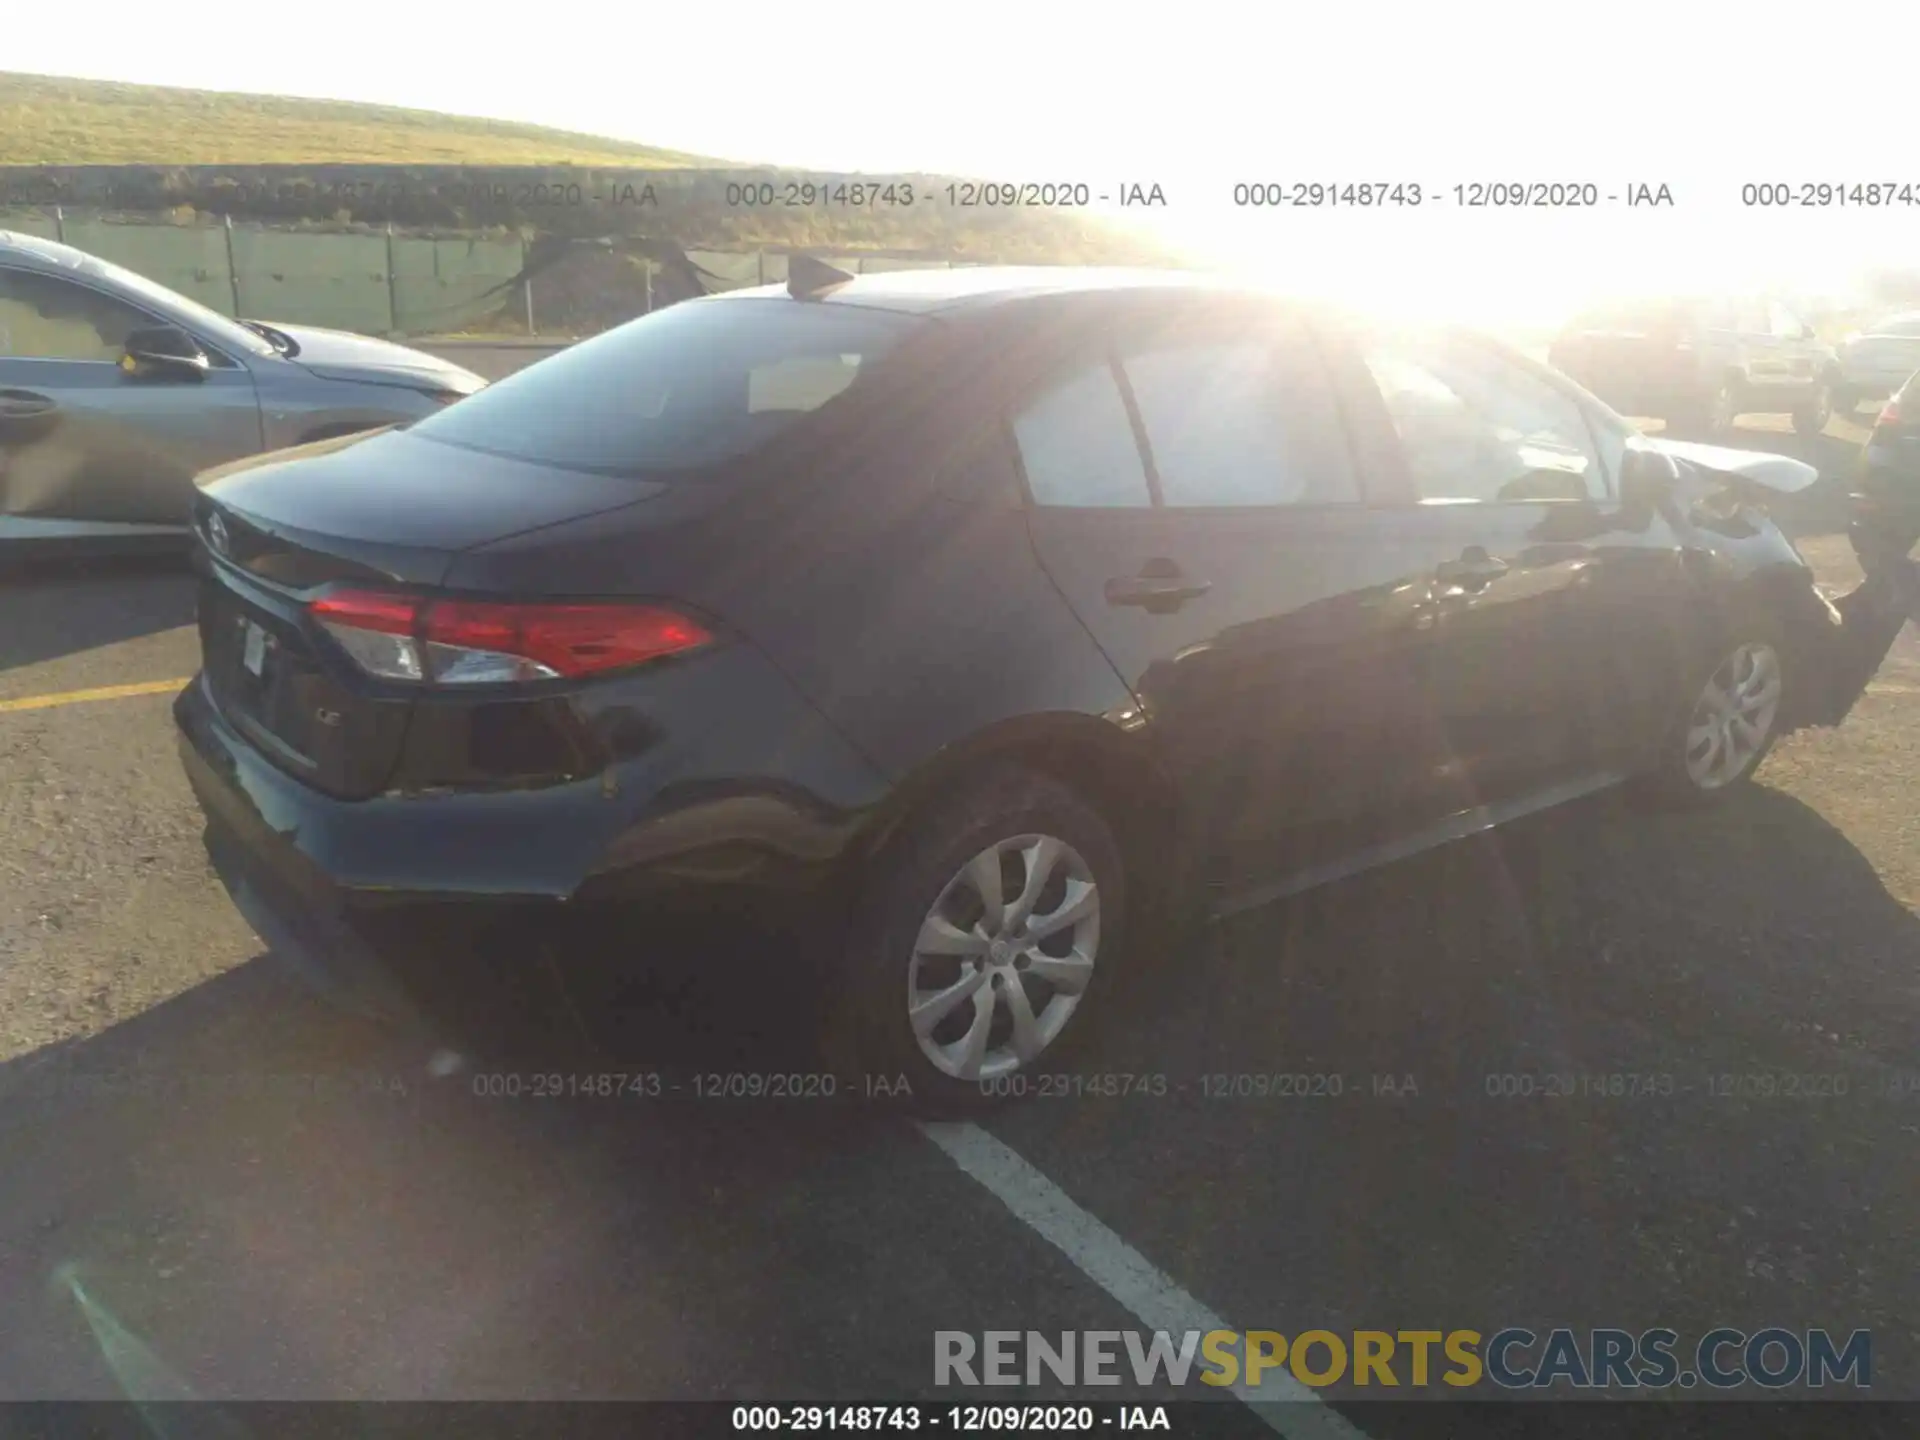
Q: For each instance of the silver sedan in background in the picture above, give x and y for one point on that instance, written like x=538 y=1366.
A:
x=1877 y=361
x=115 y=392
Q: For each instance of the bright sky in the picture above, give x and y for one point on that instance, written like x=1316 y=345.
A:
x=1194 y=96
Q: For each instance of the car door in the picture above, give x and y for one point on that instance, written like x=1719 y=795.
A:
x=1559 y=615
x=1195 y=497
x=81 y=439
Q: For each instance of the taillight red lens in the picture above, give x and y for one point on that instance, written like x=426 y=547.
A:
x=463 y=642
x=566 y=640
x=369 y=610
x=1890 y=413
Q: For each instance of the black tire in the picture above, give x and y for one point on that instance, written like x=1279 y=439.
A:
x=1708 y=416
x=921 y=867
x=1672 y=782
x=1812 y=418
x=1845 y=401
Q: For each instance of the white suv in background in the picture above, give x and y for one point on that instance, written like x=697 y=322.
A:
x=1877 y=361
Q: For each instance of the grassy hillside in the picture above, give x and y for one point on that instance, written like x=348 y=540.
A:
x=46 y=120
x=135 y=151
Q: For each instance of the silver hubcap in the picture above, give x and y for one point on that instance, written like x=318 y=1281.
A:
x=1003 y=957
x=1733 y=716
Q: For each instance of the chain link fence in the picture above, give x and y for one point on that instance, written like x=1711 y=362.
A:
x=394 y=283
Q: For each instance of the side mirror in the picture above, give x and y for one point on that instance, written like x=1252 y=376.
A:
x=162 y=352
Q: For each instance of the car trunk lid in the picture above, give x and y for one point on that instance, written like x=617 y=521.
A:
x=387 y=510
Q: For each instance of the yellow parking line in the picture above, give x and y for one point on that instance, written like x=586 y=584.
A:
x=102 y=692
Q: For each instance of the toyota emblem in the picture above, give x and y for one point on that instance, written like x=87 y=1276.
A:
x=217 y=533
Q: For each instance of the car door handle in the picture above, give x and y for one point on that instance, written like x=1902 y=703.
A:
x=1474 y=570
x=24 y=404
x=1156 y=592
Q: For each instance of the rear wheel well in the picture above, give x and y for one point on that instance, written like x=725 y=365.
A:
x=1108 y=769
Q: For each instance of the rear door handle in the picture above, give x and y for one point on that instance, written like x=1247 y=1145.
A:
x=1474 y=570
x=1158 y=593
x=24 y=404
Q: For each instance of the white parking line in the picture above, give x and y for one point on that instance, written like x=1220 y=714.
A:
x=1124 y=1273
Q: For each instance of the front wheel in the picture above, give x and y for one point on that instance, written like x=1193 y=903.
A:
x=981 y=937
x=1711 y=415
x=1726 y=731
x=1812 y=417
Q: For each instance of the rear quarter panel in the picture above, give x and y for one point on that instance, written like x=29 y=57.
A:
x=894 y=586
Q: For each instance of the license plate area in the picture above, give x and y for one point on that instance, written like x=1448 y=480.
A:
x=253 y=649
x=267 y=677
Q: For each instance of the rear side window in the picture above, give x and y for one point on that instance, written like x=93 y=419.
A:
x=1233 y=423
x=1077 y=447
x=686 y=387
x=1240 y=420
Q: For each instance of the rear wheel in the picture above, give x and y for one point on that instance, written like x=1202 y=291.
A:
x=1845 y=401
x=1726 y=729
x=982 y=936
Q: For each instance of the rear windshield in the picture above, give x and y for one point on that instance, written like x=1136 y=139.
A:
x=683 y=388
x=1905 y=326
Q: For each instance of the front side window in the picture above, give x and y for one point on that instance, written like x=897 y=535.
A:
x=43 y=317
x=1475 y=427
x=680 y=389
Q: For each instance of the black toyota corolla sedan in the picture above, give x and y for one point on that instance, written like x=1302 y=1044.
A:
x=983 y=610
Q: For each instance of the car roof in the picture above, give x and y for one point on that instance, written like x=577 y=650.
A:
x=931 y=291
x=41 y=254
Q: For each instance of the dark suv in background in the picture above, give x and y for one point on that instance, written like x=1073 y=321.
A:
x=970 y=612
x=1699 y=364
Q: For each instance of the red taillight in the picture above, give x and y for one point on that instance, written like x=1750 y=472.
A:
x=368 y=610
x=461 y=642
x=1890 y=413
x=564 y=640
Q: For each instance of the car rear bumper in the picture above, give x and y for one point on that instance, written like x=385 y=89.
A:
x=265 y=836
x=389 y=851
x=332 y=879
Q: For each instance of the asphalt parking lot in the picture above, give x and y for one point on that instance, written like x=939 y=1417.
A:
x=214 y=1186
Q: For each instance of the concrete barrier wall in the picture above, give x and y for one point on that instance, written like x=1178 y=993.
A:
x=375 y=283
